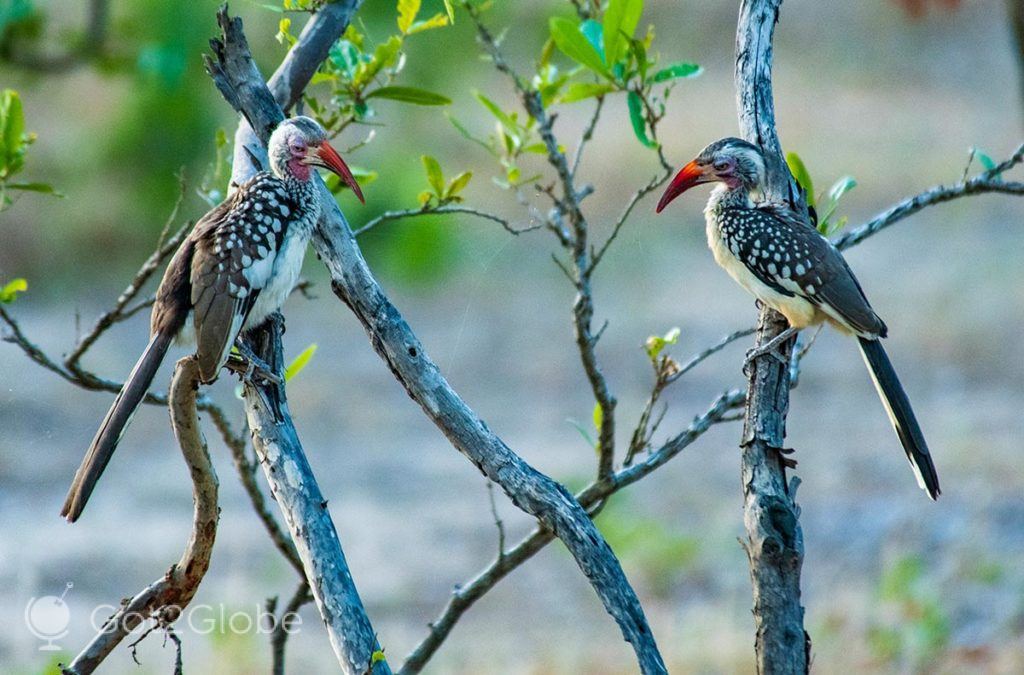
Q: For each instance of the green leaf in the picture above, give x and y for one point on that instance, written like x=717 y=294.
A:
x=410 y=95
x=545 y=53
x=300 y=362
x=43 y=188
x=498 y=113
x=384 y=56
x=676 y=71
x=10 y=291
x=436 y=21
x=450 y=9
x=461 y=128
x=407 y=11
x=578 y=91
x=598 y=415
x=572 y=43
x=841 y=187
x=583 y=432
x=620 y=21
x=284 y=35
x=594 y=32
x=835 y=193
x=802 y=176
x=12 y=131
x=458 y=184
x=656 y=343
x=636 y=116
x=984 y=158
x=434 y=175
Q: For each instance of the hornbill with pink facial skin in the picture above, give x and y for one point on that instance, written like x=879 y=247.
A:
x=786 y=264
x=236 y=268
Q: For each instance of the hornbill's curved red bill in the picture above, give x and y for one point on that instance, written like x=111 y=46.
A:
x=786 y=264
x=235 y=268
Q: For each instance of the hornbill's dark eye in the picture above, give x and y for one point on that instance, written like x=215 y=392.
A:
x=722 y=165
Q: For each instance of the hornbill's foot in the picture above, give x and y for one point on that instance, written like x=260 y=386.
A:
x=785 y=459
x=252 y=367
x=771 y=348
x=254 y=371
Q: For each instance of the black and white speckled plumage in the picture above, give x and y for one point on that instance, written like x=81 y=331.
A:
x=789 y=266
x=246 y=259
x=793 y=260
x=237 y=266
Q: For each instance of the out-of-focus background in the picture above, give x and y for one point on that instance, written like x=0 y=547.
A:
x=892 y=582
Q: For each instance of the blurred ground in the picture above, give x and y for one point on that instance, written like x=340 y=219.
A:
x=892 y=582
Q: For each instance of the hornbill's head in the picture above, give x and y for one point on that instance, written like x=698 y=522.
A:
x=299 y=143
x=732 y=161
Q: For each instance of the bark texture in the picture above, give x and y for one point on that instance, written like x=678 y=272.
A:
x=294 y=487
x=274 y=436
x=774 y=544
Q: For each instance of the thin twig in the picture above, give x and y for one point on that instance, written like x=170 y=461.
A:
x=588 y=134
x=282 y=628
x=986 y=182
x=497 y=519
x=389 y=216
x=700 y=356
x=653 y=184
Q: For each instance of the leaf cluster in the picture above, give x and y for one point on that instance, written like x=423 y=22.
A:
x=441 y=192
x=609 y=58
x=824 y=205
x=360 y=72
x=14 y=143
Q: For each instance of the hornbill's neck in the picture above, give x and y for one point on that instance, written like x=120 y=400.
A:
x=723 y=196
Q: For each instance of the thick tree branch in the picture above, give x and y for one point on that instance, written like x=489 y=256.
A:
x=165 y=599
x=774 y=542
x=296 y=492
x=395 y=342
x=291 y=479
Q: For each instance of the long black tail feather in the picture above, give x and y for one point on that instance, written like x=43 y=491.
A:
x=901 y=414
x=113 y=426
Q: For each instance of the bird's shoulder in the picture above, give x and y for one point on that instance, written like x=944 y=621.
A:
x=237 y=242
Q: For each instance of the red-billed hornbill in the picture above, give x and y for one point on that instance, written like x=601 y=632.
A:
x=786 y=264
x=235 y=268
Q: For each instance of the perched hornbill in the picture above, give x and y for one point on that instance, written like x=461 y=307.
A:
x=787 y=265
x=235 y=268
